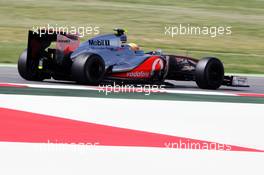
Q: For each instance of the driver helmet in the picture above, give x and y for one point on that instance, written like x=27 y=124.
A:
x=133 y=46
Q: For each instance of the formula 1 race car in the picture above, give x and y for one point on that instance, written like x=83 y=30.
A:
x=109 y=57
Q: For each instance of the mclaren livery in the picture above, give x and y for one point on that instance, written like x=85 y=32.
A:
x=110 y=58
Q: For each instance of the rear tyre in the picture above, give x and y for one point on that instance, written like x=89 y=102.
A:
x=209 y=73
x=88 y=69
x=28 y=68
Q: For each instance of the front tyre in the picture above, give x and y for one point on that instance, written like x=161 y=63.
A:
x=88 y=69
x=28 y=68
x=209 y=73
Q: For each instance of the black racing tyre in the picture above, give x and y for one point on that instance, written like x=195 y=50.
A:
x=209 y=73
x=59 y=77
x=28 y=69
x=173 y=65
x=88 y=69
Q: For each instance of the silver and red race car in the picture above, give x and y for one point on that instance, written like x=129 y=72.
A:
x=109 y=58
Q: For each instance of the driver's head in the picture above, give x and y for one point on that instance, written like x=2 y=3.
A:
x=133 y=46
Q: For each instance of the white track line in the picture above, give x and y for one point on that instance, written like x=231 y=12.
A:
x=7 y=65
x=78 y=87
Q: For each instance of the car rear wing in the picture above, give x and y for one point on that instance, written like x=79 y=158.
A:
x=40 y=40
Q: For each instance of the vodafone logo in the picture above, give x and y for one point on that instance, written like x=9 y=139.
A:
x=140 y=74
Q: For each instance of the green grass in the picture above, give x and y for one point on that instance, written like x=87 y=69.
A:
x=242 y=52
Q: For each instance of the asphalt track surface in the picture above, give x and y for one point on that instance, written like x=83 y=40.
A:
x=10 y=75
